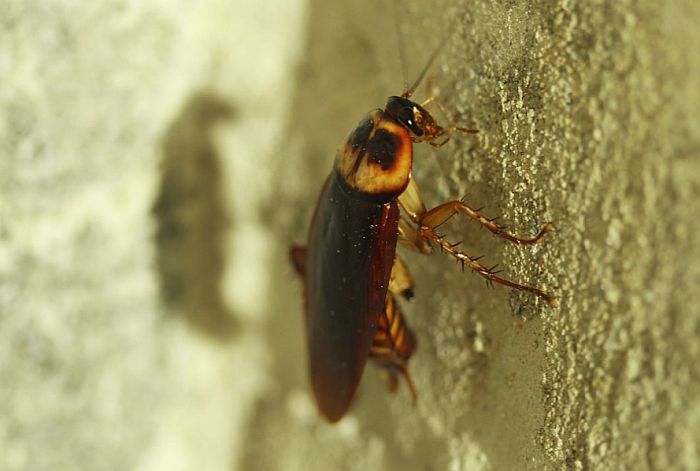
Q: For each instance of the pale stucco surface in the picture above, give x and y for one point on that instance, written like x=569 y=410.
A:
x=158 y=158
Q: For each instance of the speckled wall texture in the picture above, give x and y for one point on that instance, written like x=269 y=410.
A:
x=157 y=159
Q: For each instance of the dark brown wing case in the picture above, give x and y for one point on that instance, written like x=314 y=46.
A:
x=352 y=241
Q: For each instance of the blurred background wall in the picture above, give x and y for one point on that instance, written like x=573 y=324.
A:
x=158 y=158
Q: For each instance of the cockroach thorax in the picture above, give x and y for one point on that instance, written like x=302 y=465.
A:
x=377 y=155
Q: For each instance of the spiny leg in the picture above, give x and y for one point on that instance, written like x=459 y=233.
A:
x=440 y=214
x=473 y=263
x=413 y=206
x=411 y=238
x=437 y=216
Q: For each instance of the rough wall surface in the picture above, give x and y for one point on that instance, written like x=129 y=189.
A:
x=156 y=159
x=590 y=118
x=120 y=125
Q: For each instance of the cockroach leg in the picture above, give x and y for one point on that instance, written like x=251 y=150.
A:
x=411 y=202
x=428 y=221
x=432 y=98
x=392 y=379
x=428 y=101
x=440 y=214
x=393 y=343
x=411 y=238
x=472 y=263
x=457 y=128
x=392 y=372
x=401 y=281
x=298 y=255
x=439 y=144
x=452 y=129
x=407 y=376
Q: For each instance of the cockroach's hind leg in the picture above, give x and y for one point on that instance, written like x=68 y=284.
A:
x=393 y=343
x=488 y=273
x=297 y=254
x=401 y=281
x=409 y=381
x=440 y=214
x=392 y=378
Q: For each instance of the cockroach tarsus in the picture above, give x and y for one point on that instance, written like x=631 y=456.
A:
x=350 y=268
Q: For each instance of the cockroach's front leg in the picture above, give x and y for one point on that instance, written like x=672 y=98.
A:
x=428 y=221
x=432 y=98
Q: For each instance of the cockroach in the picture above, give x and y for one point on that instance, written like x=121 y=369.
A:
x=350 y=268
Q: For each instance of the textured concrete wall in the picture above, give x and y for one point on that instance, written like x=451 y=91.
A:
x=157 y=159
x=590 y=118
x=122 y=128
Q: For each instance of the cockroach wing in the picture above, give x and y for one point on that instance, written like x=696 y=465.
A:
x=352 y=242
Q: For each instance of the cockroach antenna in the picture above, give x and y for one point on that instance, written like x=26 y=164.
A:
x=433 y=56
x=402 y=53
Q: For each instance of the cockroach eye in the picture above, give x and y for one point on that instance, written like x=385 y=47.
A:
x=402 y=110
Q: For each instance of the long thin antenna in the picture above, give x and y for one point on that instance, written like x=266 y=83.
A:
x=412 y=89
x=402 y=53
x=438 y=48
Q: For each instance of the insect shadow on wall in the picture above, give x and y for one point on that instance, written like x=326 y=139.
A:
x=191 y=218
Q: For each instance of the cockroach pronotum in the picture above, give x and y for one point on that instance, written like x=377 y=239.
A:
x=350 y=268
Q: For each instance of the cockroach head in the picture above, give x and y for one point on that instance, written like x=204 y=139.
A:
x=416 y=119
